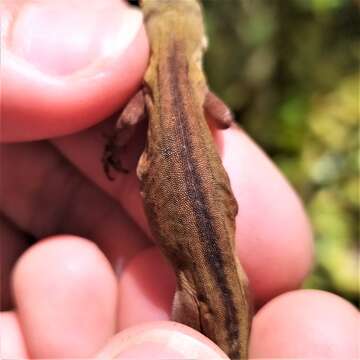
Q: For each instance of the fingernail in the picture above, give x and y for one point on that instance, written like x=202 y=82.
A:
x=60 y=37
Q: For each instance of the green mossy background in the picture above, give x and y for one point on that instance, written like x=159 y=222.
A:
x=289 y=70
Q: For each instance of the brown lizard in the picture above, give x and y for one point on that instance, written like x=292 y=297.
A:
x=186 y=190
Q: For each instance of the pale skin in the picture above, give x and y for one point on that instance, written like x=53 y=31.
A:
x=118 y=224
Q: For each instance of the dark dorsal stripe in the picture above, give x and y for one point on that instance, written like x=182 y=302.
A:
x=177 y=67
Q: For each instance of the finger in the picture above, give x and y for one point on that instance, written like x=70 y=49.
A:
x=85 y=149
x=273 y=232
x=12 y=243
x=65 y=292
x=161 y=340
x=44 y=195
x=146 y=290
x=306 y=324
x=12 y=343
x=67 y=64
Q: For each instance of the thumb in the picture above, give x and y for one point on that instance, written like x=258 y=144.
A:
x=161 y=340
x=67 y=64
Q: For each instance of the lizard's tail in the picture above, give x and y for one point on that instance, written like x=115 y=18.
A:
x=195 y=309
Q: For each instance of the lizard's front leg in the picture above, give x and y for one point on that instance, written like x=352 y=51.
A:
x=217 y=110
x=133 y=113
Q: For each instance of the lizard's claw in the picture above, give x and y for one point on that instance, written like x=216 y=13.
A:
x=111 y=156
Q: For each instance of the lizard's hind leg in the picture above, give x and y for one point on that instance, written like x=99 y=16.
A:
x=133 y=113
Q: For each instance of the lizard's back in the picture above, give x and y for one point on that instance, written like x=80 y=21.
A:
x=187 y=194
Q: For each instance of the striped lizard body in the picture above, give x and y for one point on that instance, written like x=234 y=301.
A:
x=186 y=190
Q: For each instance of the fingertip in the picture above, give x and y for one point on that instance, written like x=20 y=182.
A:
x=12 y=343
x=306 y=324
x=67 y=65
x=161 y=340
x=65 y=292
x=146 y=289
x=61 y=40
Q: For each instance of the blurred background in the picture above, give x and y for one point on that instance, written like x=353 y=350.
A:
x=289 y=70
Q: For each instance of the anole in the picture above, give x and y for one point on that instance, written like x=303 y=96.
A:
x=186 y=191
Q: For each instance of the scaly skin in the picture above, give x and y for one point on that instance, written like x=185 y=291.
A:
x=187 y=195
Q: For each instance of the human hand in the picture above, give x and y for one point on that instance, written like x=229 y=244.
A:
x=69 y=300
